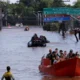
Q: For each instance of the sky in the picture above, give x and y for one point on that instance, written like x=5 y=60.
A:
x=69 y=1
x=13 y=1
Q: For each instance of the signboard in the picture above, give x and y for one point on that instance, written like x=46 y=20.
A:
x=62 y=10
x=51 y=19
x=55 y=15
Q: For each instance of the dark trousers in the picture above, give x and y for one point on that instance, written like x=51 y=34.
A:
x=76 y=37
x=75 y=33
x=63 y=34
x=79 y=35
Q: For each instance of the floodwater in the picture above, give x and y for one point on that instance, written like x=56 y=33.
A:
x=24 y=61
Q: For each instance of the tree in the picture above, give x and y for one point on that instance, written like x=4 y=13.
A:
x=43 y=4
x=77 y=4
x=58 y=3
x=26 y=2
x=68 y=5
x=38 y=5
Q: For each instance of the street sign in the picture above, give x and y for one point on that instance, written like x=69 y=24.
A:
x=62 y=10
x=51 y=19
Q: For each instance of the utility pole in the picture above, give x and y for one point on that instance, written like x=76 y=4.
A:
x=40 y=18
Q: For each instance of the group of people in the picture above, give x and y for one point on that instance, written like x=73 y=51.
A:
x=35 y=39
x=76 y=31
x=60 y=55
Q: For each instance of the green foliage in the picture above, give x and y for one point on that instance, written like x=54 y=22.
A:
x=29 y=3
x=58 y=3
x=20 y=8
x=11 y=9
x=51 y=26
x=68 y=5
x=26 y=8
x=76 y=4
x=38 y=5
x=30 y=10
x=46 y=27
x=45 y=4
x=3 y=4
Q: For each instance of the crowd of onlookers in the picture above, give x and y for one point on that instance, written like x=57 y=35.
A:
x=60 y=55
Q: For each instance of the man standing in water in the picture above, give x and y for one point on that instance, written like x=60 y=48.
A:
x=77 y=31
x=62 y=28
x=7 y=75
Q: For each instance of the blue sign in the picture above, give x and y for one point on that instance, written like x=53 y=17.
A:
x=51 y=19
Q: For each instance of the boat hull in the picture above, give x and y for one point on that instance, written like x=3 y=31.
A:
x=70 y=67
x=38 y=44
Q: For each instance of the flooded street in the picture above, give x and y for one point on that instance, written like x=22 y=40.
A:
x=24 y=61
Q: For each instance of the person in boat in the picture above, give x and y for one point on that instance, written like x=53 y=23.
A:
x=49 y=56
x=76 y=54
x=56 y=60
x=62 y=28
x=54 y=56
x=43 y=39
x=65 y=54
x=71 y=54
x=8 y=75
x=61 y=53
x=56 y=52
x=35 y=39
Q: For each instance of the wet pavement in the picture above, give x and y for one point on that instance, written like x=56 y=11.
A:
x=24 y=61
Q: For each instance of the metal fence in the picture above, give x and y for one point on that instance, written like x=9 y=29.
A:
x=31 y=19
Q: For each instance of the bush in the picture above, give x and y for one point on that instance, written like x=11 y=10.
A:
x=51 y=27
x=46 y=27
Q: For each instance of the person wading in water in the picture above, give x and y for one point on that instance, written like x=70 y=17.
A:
x=62 y=28
x=77 y=31
x=7 y=75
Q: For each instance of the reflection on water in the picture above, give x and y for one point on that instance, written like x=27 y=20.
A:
x=60 y=78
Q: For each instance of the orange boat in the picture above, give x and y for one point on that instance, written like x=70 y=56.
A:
x=69 y=67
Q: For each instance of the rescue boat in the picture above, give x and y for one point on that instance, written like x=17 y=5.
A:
x=69 y=67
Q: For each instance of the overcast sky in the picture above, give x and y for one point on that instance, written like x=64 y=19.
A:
x=71 y=1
